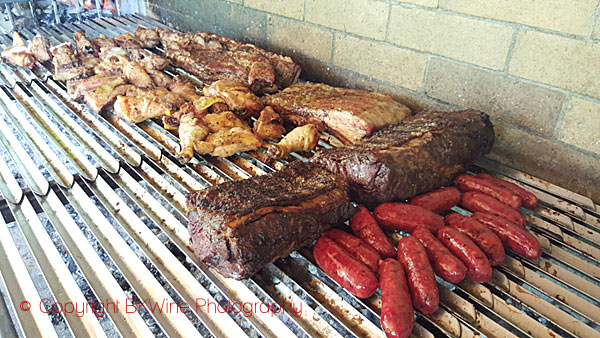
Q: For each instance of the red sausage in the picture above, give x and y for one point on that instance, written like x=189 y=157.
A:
x=364 y=226
x=475 y=201
x=479 y=268
x=445 y=264
x=439 y=200
x=421 y=280
x=356 y=247
x=485 y=238
x=406 y=217
x=347 y=271
x=397 y=315
x=471 y=183
x=512 y=236
x=529 y=199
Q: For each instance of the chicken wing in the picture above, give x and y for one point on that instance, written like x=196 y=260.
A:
x=269 y=125
x=303 y=138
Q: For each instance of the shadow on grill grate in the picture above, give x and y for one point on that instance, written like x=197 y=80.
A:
x=93 y=212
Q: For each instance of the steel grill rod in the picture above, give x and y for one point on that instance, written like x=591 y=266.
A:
x=139 y=201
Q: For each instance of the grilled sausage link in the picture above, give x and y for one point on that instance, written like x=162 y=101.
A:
x=406 y=217
x=485 y=238
x=356 y=247
x=479 y=268
x=471 y=183
x=351 y=274
x=445 y=264
x=397 y=315
x=476 y=201
x=438 y=201
x=529 y=199
x=512 y=236
x=365 y=226
x=421 y=280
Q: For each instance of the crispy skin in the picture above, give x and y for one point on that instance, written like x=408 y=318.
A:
x=349 y=114
x=148 y=38
x=159 y=78
x=104 y=96
x=40 y=48
x=228 y=142
x=78 y=88
x=238 y=97
x=18 y=56
x=269 y=126
x=238 y=227
x=304 y=138
x=192 y=131
x=419 y=154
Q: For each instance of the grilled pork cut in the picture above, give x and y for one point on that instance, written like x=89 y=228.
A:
x=349 y=114
x=238 y=227
x=423 y=152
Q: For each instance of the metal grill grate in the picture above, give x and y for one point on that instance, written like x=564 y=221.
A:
x=93 y=209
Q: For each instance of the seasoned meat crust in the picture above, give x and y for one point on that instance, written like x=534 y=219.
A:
x=423 y=152
x=349 y=114
x=238 y=227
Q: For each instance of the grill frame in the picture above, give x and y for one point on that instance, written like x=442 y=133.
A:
x=125 y=186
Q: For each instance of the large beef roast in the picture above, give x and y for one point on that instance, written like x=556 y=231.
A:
x=423 y=152
x=238 y=227
x=349 y=114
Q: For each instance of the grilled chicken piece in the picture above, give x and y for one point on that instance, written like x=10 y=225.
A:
x=40 y=48
x=135 y=74
x=135 y=109
x=123 y=38
x=229 y=142
x=159 y=78
x=17 y=40
x=67 y=65
x=78 y=88
x=269 y=125
x=303 y=138
x=18 y=56
x=148 y=38
x=84 y=46
x=237 y=96
x=223 y=121
x=184 y=87
x=111 y=61
x=161 y=95
x=172 y=41
x=145 y=58
x=103 y=43
x=192 y=132
x=104 y=95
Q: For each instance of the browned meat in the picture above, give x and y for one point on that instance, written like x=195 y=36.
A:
x=67 y=66
x=40 y=48
x=423 y=152
x=238 y=97
x=269 y=125
x=84 y=46
x=240 y=226
x=184 y=87
x=103 y=96
x=103 y=43
x=230 y=141
x=137 y=109
x=77 y=88
x=159 y=78
x=223 y=121
x=303 y=138
x=124 y=38
x=349 y=114
x=148 y=38
x=135 y=74
x=213 y=57
x=146 y=59
x=192 y=131
x=18 y=56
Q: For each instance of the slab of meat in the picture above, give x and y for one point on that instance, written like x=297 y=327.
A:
x=423 y=152
x=213 y=57
x=349 y=114
x=238 y=227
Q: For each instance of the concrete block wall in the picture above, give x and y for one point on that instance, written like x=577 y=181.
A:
x=534 y=66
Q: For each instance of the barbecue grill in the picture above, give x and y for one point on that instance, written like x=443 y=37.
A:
x=93 y=226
